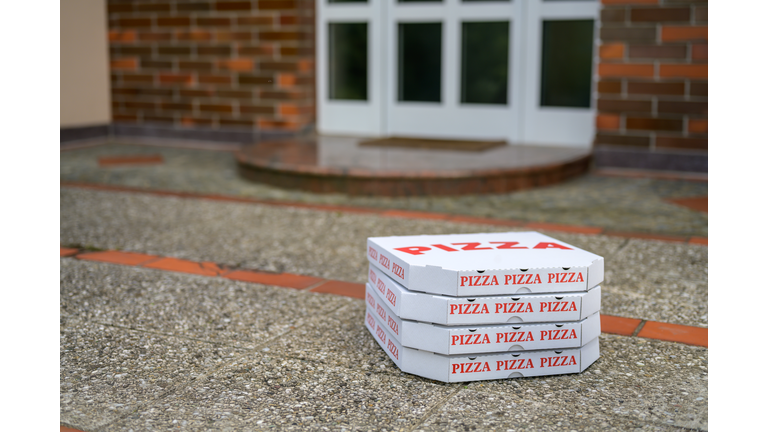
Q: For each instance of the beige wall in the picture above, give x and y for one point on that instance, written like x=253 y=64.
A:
x=84 y=64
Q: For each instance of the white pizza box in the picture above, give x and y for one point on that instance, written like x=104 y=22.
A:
x=476 y=367
x=516 y=308
x=486 y=264
x=483 y=338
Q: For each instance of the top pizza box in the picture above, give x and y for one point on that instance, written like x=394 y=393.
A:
x=485 y=264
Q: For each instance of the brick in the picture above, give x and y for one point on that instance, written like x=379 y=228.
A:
x=660 y=14
x=124 y=64
x=214 y=50
x=700 y=204
x=681 y=143
x=158 y=119
x=114 y=8
x=608 y=121
x=286 y=80
x=195 y=65
x=196 y=121
x=212 y=22
x=612 y=51
x=699 y=52
x=699 y=89
x=239 y=123
x=174 y=78
x=255 y=21
x=675 y=333
x=214 y=79
x=195 y=93
x=656 y=88
x=614 y=105
x=267 y=124
x=256 y=50
x=627 y=34
x=618 y=325
x=682 y=107
x=697 y=126
x=153 y=7
x=118 y=257
x=306 y=65
x=233 y=6
x=185 y=266
x=236 y=64
x=278 y=66
x=276 y=4
x=140 y=50
x=125 y=118
x=288 y=109
x=235 y=94
x=218 y=108
x=654 y=124
x=623 y=140
x=281 y=36
x=257 y=109
x=139 y=105
x=288 y=20
x=658 y=51
x=700 y=14
x=625 y=70
x=135 y=22
x=346 y=289
x=296 y=51
x=227 y=36
x=611 y=87
x=156 y=64
x=174 y=50
x=138 y=78
x=249 y=79
x=699 y=241
x=155 y=36
x=122 y=36
x=193 y=7
x=285 y=280
x=283 y=94
x=173 y=22
x=175 y=106
x=683 y=71
x=683 y=33
x=197 y=35
x=613 y=15
x=66 y=252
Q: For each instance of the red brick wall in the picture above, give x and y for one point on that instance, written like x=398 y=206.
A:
x=653 y=75
x=214 y=64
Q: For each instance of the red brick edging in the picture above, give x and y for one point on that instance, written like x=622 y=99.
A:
x=610 y=324
x=576 y=229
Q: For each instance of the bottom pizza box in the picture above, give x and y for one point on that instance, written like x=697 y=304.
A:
x=513 y=308
x=477 y=367
x=483 y=338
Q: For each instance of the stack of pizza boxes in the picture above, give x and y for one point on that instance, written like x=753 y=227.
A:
x=469 y=307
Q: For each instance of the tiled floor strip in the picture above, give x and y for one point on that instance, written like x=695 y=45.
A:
x=401 y=214
x=610 y=324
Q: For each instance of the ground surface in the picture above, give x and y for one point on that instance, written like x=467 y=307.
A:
x=145 y=349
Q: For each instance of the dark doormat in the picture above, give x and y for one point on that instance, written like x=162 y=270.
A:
x=433 y=144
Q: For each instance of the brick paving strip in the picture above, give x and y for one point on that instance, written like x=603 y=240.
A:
x=636 y=327
x=400 y=213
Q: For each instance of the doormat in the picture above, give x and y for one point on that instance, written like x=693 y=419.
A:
x=433 y=144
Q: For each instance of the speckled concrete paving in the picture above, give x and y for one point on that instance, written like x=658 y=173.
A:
x=618 y=204
x=144 y=349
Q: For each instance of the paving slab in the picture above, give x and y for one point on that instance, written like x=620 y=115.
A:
x=645 y=279
x=212 y=309
x=619 y=204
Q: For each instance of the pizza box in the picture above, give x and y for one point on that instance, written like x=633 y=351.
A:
x=483 y=338
x=476 y=367
x=510 y=309
x=486 y=264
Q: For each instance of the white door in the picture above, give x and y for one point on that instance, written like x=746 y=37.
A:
x=450 y=69
x=518 y=70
